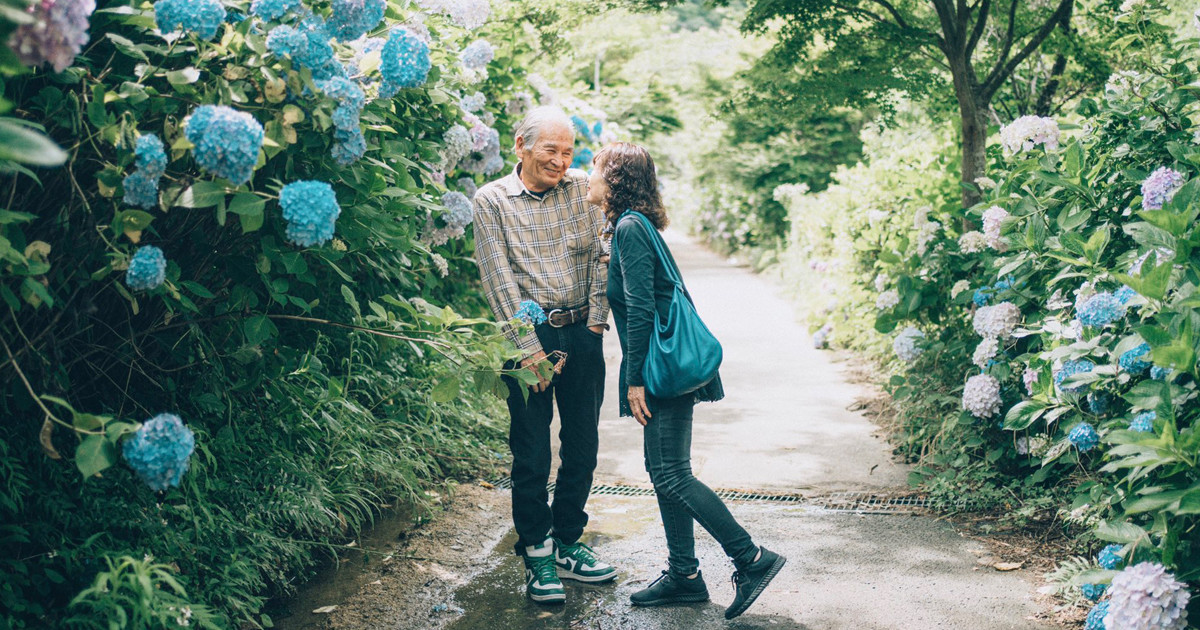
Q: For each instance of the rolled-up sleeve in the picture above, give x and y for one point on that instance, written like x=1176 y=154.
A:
x=499 y=285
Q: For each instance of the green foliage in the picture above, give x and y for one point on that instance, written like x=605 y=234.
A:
x=1076 y=225
x=322 y=383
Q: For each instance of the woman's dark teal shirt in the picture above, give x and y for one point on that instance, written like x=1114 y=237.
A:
x=637 y=287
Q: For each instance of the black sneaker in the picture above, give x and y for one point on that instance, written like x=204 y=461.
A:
x=671 y=589
x=749 y=583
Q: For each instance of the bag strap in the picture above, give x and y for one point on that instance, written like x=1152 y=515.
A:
x=660 y=247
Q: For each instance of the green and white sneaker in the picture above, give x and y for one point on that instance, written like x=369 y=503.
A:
x=541 y=580
x=579 y=562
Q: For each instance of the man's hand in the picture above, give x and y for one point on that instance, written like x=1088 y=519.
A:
x=637 y=403
x=532 y=362
x=598 y=329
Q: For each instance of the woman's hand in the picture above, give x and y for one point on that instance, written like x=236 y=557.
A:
x=637 y=403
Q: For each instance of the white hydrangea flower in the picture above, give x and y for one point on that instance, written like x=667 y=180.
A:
x=1147 y=597
x=546 y=94
x=906 y=344
x=993 y=217
x=1129 y=6
x=887 y=299
x=1027 y=132
x=875 y=217
x=440 y=264
x=985 y=351
x=881 y=281
x=925 y=236
x=959 y=287
x=986 y=183
x=981 y=396
x=821 y=337
x=1121 y=83
x=997 y=321
x=972 y=242
x=1022 y=446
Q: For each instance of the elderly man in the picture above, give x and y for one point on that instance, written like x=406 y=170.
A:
x=537 y=240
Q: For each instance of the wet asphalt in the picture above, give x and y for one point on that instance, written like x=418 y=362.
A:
x=784 y=427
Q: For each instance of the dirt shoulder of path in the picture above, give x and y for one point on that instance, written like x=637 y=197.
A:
x=1035 y=548
x=414 y=587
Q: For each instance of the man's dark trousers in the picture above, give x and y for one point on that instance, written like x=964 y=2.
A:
x=578 y=391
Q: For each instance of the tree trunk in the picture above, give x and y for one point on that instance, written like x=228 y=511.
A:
x=973 y=121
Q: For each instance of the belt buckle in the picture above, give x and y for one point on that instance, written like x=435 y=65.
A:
x=550 y=318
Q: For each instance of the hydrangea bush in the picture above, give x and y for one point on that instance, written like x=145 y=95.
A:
x=240 y=237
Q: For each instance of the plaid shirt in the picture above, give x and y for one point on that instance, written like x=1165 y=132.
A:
x=546 y=250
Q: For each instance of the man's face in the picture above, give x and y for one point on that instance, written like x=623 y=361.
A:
x=544 y=164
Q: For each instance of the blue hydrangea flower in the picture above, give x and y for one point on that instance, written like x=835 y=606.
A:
x=318 y=55
x=141 y=190
x=226 y=141
x=1084 y=437
x=982 y=296
x=597 y=129
x=348 y=146
x=147 y=269
x=352 y=19
x=271 y=10
x=235 y=17
x=485 y=151
x=159 y=450
x=1160 y=373
x=405 y=63
x=477 y=55
x=311 y=210
x=1071 y=368
x=1132 y=360
x=1143 y=422
x=468 y=186
x=286 y=40
x=1160 y=186
x=531 y=312
x=150 y=157
x=583 y=158
x=1095 y=618
x=202 y=17
x=1110 y=557
x=1093 y=591
x=581 y=125
x=460 y=214
x=1099 y=402
x=1124 y=294
x=1101 y=309
x=472 y=102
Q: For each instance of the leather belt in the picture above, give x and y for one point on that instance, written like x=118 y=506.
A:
x=559 y=317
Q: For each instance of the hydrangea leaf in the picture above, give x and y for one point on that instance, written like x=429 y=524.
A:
x=201 y=195
x=24 y=145
x=1190 y=502
x=185 y=76
x=1024 y=414
x=1119 y=532
x=1148 y=394
x=94 y=455
x=1152 y=502
x=446 y=390
x=250 y=208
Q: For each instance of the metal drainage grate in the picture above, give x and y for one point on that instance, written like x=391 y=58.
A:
x=852 y=502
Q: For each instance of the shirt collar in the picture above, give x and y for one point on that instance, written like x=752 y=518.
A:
x=515 y=187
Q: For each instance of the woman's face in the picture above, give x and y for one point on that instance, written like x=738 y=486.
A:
x=597 y=187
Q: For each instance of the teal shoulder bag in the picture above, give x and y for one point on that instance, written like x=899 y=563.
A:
x=684 y=355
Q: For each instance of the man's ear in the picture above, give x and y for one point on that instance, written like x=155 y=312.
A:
x=520 y=144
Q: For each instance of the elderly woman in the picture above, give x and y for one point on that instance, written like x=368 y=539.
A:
x=624 y=182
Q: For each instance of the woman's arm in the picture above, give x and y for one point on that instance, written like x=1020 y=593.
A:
x=638 y=261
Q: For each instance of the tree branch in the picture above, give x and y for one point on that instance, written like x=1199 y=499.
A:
x=980 y=23
x=895 y=13
x=1004 y=69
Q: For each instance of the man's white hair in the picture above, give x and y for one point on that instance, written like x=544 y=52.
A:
x=537 y=120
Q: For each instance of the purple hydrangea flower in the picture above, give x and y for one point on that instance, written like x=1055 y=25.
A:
x=202 y=17
x=1160 y=187
x=226 y=141
x=468 y=186
x=147 y=269
x=1084 y=437
x=311 y=211
x=484 y=150
x=1147 y=597
x=158 y=452
x=56 y=35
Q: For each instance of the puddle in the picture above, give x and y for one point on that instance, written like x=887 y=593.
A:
x=335 y=583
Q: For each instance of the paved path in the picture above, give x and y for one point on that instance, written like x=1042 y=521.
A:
x=784 y=427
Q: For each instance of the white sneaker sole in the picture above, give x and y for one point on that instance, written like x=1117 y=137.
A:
x=553 y=598
x=566 y=574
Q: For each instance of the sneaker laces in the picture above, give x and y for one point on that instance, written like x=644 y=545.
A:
x=543 y=569
x=581 y=552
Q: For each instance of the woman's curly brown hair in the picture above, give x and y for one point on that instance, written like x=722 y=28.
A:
x=632 y=183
